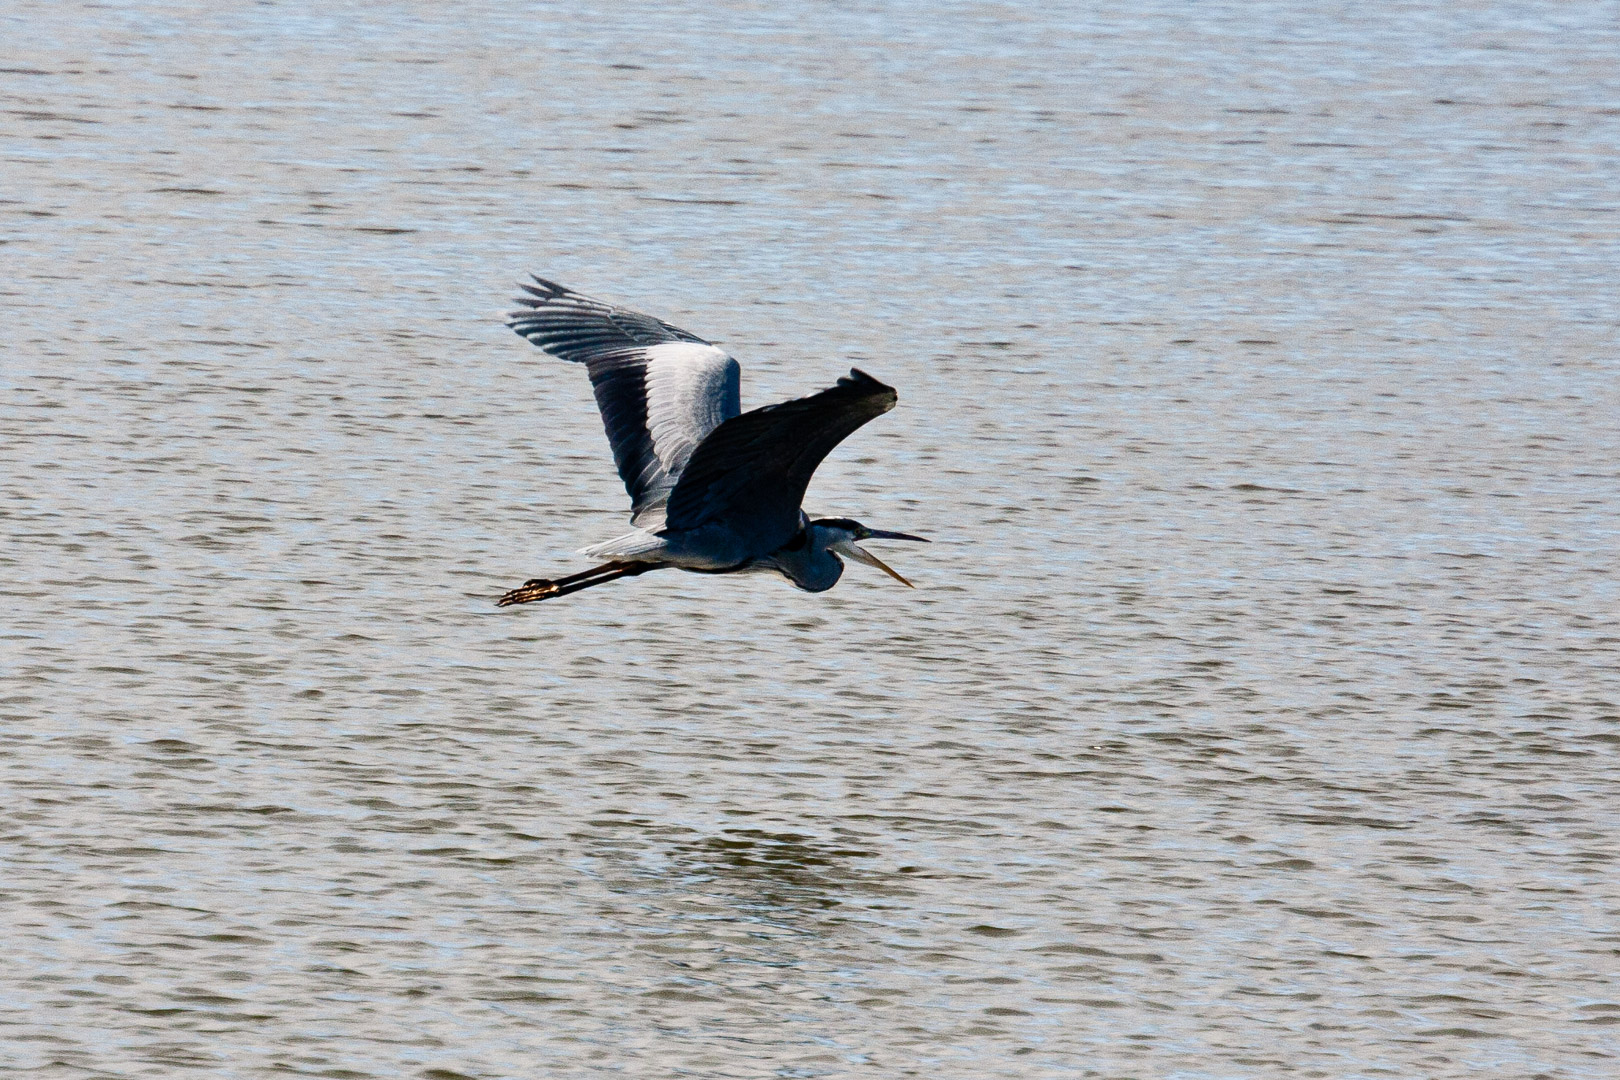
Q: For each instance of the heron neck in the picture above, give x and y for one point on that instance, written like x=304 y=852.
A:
x=810 y=566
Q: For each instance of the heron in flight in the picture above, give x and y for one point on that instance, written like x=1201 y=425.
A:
x=712 y=489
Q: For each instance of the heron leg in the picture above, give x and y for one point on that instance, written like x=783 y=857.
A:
x=550 y=588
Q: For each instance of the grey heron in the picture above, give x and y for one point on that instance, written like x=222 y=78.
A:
x=713 y=489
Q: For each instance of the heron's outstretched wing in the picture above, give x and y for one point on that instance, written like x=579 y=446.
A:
x=660 y=389
x=753 y=469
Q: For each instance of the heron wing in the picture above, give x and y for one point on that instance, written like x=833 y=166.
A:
x=661 y=390
x=753 y=469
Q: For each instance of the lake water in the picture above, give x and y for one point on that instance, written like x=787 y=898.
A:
x=1257 y=712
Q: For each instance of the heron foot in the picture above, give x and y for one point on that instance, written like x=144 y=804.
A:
x=529 y=591
x=546 y=588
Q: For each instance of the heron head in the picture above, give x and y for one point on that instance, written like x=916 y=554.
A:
x=839 y=535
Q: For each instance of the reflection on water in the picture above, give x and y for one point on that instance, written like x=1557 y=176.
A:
x=751 y=873
x=1255 y=714
x=767 y=871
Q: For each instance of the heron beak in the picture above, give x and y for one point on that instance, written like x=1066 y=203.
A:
x=879 y=534
x=861 y=555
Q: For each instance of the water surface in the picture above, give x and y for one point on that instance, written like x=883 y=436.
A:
x=1256 y=713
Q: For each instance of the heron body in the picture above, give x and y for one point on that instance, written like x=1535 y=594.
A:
x=712 y=489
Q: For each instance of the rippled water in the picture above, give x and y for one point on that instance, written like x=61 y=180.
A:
x=1256 y=714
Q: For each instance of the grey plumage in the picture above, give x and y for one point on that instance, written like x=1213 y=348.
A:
x=712 y=489
x=660 y=389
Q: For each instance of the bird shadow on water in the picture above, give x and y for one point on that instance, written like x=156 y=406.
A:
x=779 y=870
x=776 y=876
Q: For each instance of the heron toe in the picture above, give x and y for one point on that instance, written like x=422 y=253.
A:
x=528 y=592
